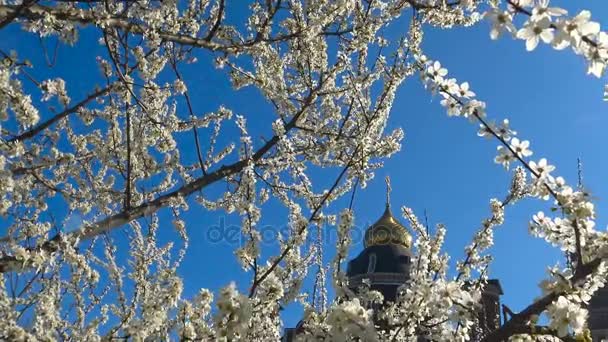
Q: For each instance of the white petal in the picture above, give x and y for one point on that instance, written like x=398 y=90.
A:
x=588 y=28
x=583 y=16
x=532 y=43
x=596 y=68
x=546 y=36
x=556 y=11
x=525 y=33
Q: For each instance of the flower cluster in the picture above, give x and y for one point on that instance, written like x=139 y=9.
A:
x=551 y=25
x=573 y=232
x=430 y=303
x=53 y=88
x=565 y=314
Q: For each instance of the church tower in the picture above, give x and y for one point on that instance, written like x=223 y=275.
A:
x=385 y=261
x=385 y=264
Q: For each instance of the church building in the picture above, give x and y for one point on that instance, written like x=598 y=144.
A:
x=385 y=265
x=598 y=315
x=385 y=261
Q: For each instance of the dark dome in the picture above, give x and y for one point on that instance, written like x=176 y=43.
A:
x=386 y=267
x=388 y=259
x=387 y=231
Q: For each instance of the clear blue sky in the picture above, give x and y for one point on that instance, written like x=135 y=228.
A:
x=443 y=168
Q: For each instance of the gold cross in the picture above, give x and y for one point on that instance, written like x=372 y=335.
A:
x=388 y=190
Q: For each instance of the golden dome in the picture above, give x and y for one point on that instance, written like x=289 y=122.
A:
x=387 y=230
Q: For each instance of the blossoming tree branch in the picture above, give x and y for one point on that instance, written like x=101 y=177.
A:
x=121 y=157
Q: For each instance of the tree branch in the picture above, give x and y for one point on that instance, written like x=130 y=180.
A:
x=86 y=17
x=42 y=126
x=10 y=263
x=520 y=319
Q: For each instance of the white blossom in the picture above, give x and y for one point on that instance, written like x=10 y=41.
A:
x=521 y=148
x=55 y=87
x=534 y=31
x=542 y=168
x=437 y=72
x=565 y=315
x=542 y=10
x=501 y=21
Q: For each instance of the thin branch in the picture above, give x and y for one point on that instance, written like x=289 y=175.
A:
x=218 y=21
x=488 y=128
x=10 y=263
x=42 y=126
x=85 y=17
x=511 y=327
x=522 y=10
x=312 y=217
x=197 y=143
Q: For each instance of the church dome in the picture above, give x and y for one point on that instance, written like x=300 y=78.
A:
x=386 y=231
x=385 y=261
x=380 y=259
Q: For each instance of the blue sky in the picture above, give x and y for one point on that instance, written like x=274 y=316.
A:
x=443 y=167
